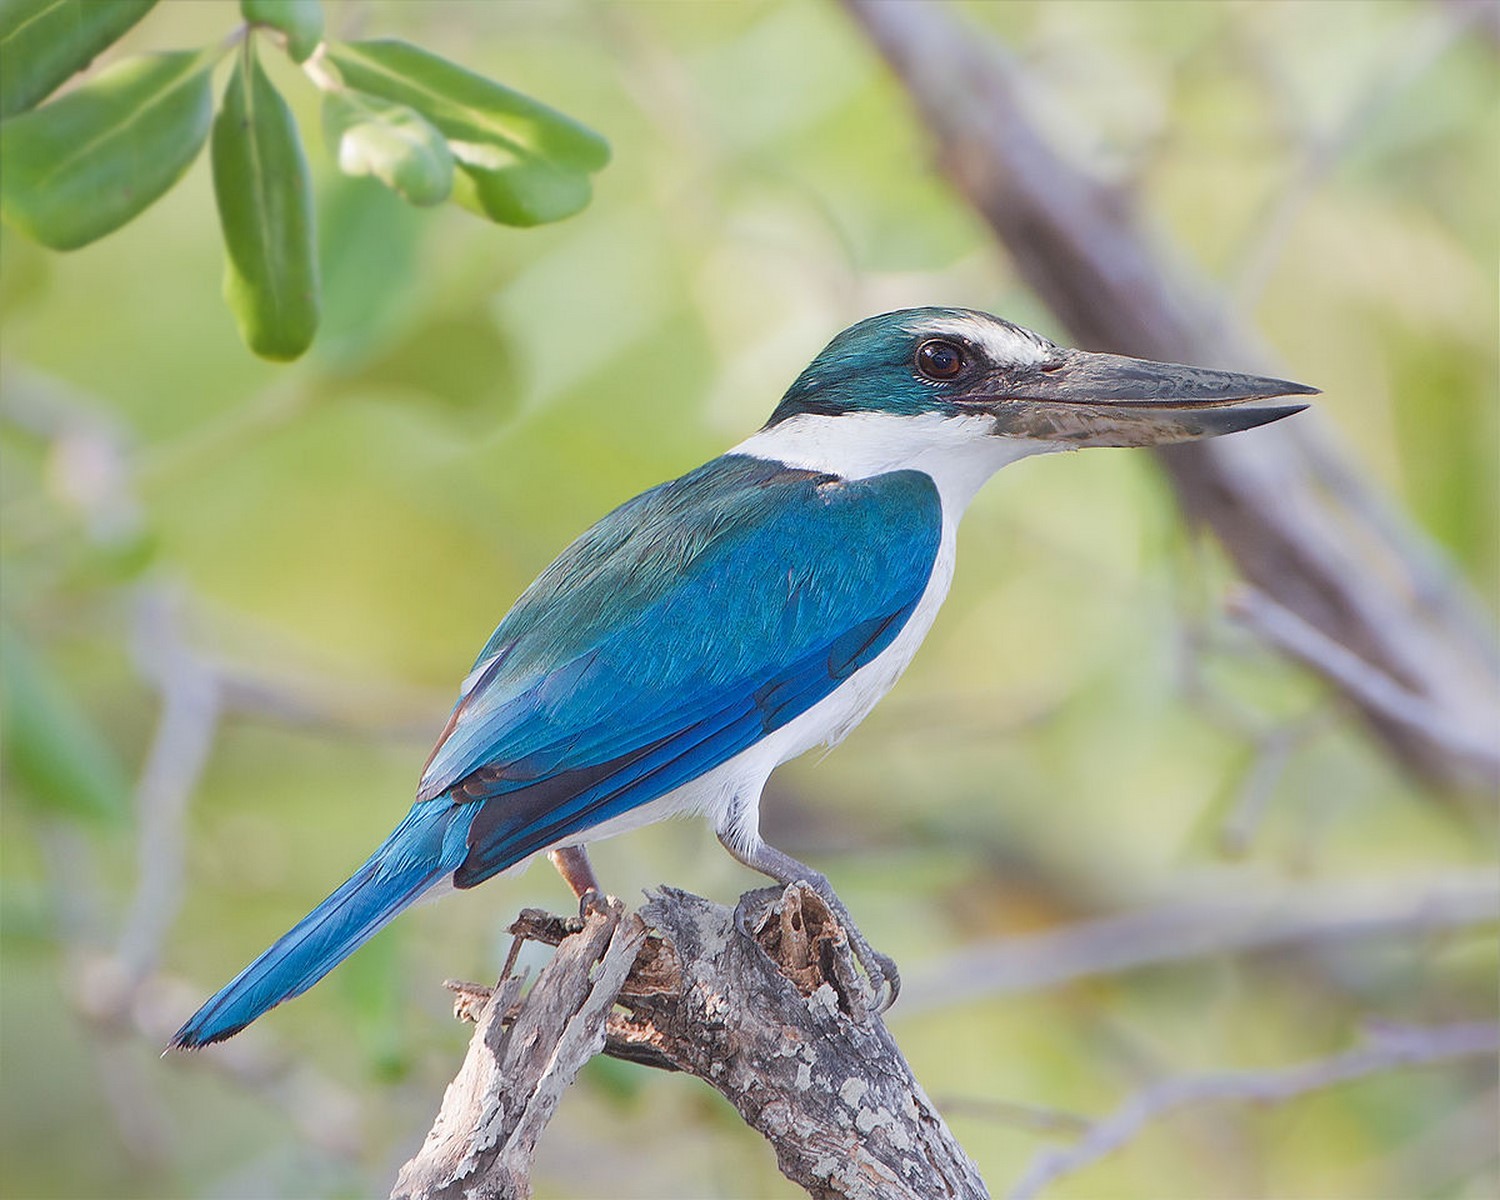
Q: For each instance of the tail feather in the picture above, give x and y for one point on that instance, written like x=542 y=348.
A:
x=426 y=847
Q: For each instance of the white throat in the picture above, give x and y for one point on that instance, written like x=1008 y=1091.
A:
x=959 y=453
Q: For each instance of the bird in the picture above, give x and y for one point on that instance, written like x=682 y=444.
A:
x=724 y=622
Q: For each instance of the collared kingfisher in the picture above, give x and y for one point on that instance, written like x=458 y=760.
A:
x=716 y=626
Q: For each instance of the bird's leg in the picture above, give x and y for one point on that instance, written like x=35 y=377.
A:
x=786 y=870
x=572 y=863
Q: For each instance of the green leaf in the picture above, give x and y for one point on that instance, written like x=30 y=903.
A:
x=87 y=163
x=368 y=264
x=51 y=747
x=266 y=210
x=391 y=142
x=43 y=42
x=517 y=190
x=465 y=106
x=299 y=21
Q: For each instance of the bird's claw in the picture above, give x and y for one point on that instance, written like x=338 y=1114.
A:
x=879 y=969
x=590 y=902
x=884 y=980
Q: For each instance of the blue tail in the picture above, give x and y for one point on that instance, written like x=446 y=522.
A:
x=428 y=845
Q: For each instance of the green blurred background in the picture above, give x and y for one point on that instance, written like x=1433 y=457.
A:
x=321 y=548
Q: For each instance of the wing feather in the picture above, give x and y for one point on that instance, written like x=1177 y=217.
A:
x=673 y=635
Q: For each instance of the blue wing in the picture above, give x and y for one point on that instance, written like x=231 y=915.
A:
x=677 y=632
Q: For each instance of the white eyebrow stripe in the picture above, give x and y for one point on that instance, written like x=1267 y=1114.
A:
x=1003 y=344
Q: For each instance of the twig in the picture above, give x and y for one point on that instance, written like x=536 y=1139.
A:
x=88 y=469
x=179 y=752
x=1218 y=919
x=322 y=706
x=1485 y=15
x=117 y=1005
x=1053 y=1122
x=117 y=1002
x=1273 y=753
x=1371 y=688
x=1417 y=50
x=1386 y=1049
x=517 y=1070
x=1437 y=585
x=1456 y=1147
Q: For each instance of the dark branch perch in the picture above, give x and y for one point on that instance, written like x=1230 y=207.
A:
x=779 y=1028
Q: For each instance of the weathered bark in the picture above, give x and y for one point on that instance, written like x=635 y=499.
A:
x=519 y=1064
x=1298 y=522
x=779 y=1027
x=777 y=1024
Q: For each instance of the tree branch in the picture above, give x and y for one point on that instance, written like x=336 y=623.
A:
x=1223 y=917
x=1355 y=677
x=1386 y=1049
x=519 y=1064
x=778 y=1026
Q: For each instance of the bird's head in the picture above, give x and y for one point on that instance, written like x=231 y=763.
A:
x=955 y=362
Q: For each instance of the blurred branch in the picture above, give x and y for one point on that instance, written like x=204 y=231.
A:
x=1299 y=524
x=1050 y=1122
x=1375 y=691
x=1219 y=919
x=1320 y=152
x=1482 y=15
x=778 y=1027
x=185 y=733
x=327 y=706
x=117 y=1004
x=1273 y=751
x=1437 y=588
x=1272 y=746
x=1386 y=1049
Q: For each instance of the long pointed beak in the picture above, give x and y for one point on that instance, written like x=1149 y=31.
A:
x=1109 y=400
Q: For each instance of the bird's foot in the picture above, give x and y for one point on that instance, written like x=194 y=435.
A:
x=590 y=902
x=884 y=980
x=880 y=969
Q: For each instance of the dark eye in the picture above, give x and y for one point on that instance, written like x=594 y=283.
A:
x=939 y=360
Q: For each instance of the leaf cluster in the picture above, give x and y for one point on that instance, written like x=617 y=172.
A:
x=88 y=162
